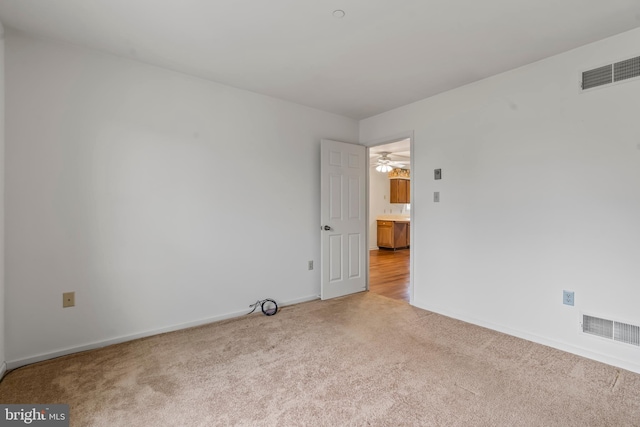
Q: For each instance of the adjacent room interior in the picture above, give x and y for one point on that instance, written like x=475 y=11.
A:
x=390 y=219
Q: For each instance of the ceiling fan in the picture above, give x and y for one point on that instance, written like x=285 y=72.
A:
x=385 y=163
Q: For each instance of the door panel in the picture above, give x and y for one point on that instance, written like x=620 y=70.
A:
x=355 y=266
x=335 y=197
x=335 y=261
x=343 y=204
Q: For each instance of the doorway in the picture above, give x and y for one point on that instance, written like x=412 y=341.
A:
x=390 y=255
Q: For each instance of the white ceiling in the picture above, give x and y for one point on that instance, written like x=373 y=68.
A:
x=381 y=55
x=399 y=148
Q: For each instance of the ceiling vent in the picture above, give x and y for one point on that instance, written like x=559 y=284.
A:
x=612 y=73
x=611 y=329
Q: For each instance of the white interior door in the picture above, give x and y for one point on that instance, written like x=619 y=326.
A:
x=343 y=202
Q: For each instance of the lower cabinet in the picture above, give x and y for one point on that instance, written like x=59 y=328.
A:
x=385 y=234
x=393 y=234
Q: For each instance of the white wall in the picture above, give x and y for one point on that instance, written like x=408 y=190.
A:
x=2 y=286
x=162 y=200
x=540 y=193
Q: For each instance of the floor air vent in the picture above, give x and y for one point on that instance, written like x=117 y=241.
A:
x=622 y=70
x=611 y=329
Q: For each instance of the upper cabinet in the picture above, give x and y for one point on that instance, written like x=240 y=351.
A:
x=400 y=191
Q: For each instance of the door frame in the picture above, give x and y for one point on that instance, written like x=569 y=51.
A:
x=384 y=141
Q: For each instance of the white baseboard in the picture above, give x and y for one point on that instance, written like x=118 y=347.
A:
x=301 y=300
x=569 y=348
x=13 y=364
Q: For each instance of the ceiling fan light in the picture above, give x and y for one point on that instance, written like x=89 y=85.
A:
x=383 y=168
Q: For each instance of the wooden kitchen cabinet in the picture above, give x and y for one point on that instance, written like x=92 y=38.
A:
x=385 y=234
x=400 y=191
x=393 y=234
x=408 y=234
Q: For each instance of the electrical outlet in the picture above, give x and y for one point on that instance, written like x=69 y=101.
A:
x=310 y=265
x=436 y=196
x=567 y=297
x=68 y=299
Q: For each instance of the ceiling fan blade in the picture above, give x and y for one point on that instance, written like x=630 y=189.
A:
x=392 y=160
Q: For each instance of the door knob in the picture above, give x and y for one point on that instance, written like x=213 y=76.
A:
x=327 y=228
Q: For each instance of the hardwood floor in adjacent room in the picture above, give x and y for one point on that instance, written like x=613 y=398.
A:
x=389 y=273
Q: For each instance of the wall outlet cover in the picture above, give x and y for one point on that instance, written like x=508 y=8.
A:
x=437 y=174
x=568 y=297
x=68 y=299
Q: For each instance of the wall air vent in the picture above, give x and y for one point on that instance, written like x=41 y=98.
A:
x=611 y=329
x=622 y=70
x=627 y=333
x=597 y=77
x=626 y=69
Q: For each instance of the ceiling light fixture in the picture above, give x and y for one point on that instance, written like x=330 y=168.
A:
x=385 y=164
x=384 y=168
x=338 y=13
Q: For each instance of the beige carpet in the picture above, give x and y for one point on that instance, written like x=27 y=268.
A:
x=359 y=360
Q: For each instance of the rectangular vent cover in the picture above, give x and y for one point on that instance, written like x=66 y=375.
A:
x=626 y=69
x=597 y=77
x=611 y=73
x=611 y=329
